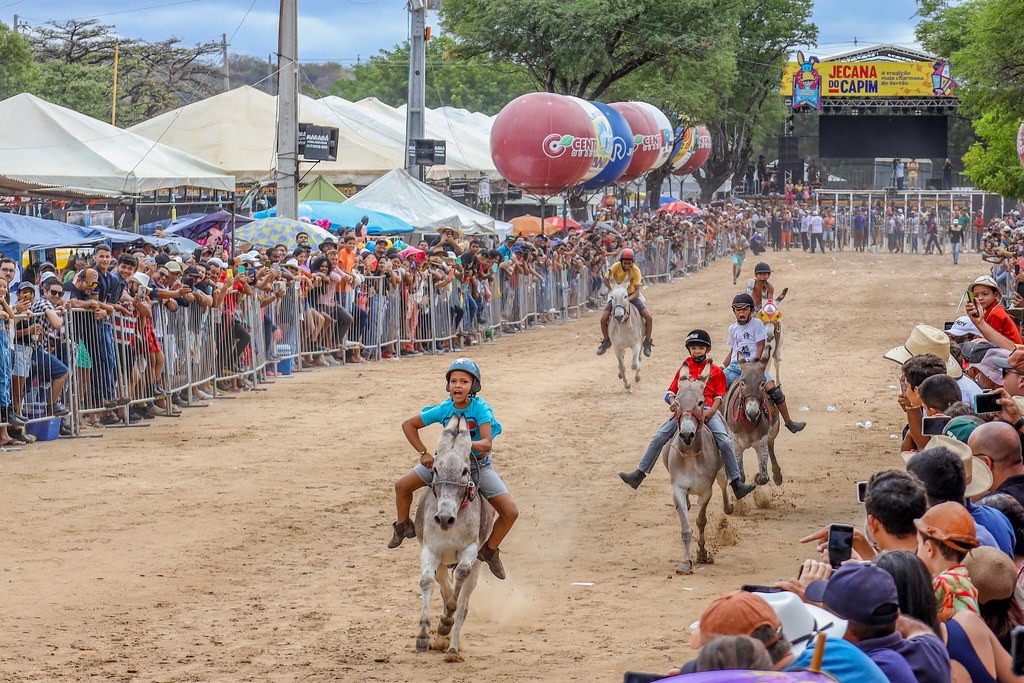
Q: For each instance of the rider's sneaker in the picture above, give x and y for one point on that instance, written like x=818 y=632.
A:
x=402 y=531
x=491 y=557
x=605 y=345
x=795 y=426
x=634 y=478
x=648 y=345
x=741 y=488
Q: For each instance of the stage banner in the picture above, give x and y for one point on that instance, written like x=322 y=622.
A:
x=808 y=80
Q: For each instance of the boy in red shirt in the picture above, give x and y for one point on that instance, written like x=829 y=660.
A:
x=986 y=300
x=698 y=343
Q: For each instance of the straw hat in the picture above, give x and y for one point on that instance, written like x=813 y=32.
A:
x=926 y=339
x=979 y=476
x=992 y=573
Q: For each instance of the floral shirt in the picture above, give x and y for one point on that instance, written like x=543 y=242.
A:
x=954 y=592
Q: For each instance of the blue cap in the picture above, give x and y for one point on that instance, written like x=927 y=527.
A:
x=860 y=592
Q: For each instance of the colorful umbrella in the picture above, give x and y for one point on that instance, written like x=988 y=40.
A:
x=556 y=223
x=344 y=216
x=412 y=254
x=682 y=208
x=269 y=232
x=526 y=225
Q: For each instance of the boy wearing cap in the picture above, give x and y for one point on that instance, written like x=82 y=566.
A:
x=987 y=307
x=945 y=534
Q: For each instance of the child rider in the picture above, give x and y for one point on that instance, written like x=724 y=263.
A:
x=463 y=379
x=747 y=337
x=698 y=343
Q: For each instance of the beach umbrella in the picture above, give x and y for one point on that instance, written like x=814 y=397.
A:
x=526 y=225
x=413 y=254
x=682 y=208
x=269 y=232
x=556 y=223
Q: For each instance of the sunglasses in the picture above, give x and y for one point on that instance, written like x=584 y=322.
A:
x=1009 y=371
x=56 y=292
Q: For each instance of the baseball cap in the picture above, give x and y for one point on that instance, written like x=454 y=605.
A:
x=973 y=351
x=173 y=266
x=27 y=285
x=860 y=592
x=738 y=613
x=963 y=327
x=217 y=262
x=950 y=523
x=988 y=367
x=291 y=263
x=960 y=428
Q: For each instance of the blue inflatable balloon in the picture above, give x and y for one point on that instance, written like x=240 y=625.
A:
x=622 y=149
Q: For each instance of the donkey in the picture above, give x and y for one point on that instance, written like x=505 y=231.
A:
x=452 y=523
x=771 y=316
x=625 y=331
x=693 y=464
x=753 y=419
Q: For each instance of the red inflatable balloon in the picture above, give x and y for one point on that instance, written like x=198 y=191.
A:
x=1020 y=144
x=647 y=138
x=701 y=152
x=542 y=143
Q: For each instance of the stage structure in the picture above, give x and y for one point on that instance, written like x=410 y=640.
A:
x=861 y=108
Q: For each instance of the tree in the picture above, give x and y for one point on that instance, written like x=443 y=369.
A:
x=993 y=164
x=584 y=47
x=18 y=74
x=768 y=31
x=475 y=83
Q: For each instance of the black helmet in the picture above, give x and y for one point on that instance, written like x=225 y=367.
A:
x=698 y=337
x=743 y=301
x=762 y=267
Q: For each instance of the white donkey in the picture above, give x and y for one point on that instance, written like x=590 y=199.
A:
x=452 y=523
x=625 y=331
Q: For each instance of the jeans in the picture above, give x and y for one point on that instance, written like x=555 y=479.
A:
x=733 y=372
x=5 y=367
x=956 y=253
x=668 y=430
x=816 y=240
x=105 y=363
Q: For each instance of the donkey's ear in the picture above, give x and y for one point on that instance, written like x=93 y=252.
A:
x=800 y=56
x=463 y=424
x=782 y=296
x=453 y=424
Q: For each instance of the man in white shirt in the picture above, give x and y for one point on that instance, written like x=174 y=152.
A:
x=816 y=229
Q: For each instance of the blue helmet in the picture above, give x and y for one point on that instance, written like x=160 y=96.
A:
x=465 y=365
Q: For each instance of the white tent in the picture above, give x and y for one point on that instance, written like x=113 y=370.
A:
x=420 y=205
x=236 y=131
x=47 y=147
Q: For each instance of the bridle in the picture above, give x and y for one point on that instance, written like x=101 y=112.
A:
x=625 y=309
x=467 y=497
x=738 y=414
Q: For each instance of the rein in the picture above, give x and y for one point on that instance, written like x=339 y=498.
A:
x=467 y=497
x=737 y=414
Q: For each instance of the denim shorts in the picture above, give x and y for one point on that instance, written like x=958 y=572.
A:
x=488 y=481
x=22 y=365
x=733 y=372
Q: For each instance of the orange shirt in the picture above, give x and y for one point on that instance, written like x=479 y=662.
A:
x=347 y=262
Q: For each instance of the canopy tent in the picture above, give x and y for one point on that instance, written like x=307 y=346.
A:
x=28 y=233
x=321 y=190
x=236 y=131
x=54 y=149
x=197 y=226
x=177 y=242
x=420 y=205
x=346 y=216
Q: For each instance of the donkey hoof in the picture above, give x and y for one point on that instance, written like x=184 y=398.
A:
x=761 y=479
x=452 y=656
x=685 y=568
x=777 y=477
x=703 y=557
x=445 y=627
x=422 y=644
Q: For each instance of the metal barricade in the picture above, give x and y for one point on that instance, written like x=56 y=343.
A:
x=38 y=368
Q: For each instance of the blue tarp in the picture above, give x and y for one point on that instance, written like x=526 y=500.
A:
x=197 y=226
x=182 y=244
x=344 y=216
x=28 y=233
x=150 y=228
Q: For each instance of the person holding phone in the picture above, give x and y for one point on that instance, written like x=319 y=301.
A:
x=983 y=305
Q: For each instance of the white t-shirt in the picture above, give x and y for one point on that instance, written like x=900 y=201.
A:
x=968 y=389
x=743 y=339
x=816 y=225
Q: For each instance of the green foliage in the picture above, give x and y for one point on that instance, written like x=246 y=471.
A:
x=584 y=47
x=993 y=165
x=86 y=88
x=18 y=74
x=475 y=83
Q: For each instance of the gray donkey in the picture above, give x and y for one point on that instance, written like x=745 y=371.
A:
x=753 y=419
x=693 y=464
x=452 y=523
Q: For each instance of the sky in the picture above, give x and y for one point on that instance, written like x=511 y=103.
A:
x=349 y=30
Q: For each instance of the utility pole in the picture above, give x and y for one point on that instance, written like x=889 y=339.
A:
x=417 y=80
x=224 y=54
x=288 y=111
x=270 y=73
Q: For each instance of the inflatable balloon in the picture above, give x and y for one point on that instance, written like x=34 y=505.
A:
x=602 y=134
x=684 y=147
x=701 y=152
x=542 y=143
x=1020 y=143
x=647 y=139
x=622 y=149
x=664 y=127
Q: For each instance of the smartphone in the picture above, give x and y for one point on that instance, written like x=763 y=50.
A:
x=1020 y=288
x=862 y=491
x=1017 y=650
x=970 y=296
x=751 y=588
x=840 y=543
x=987 y=402
x=934 y=424
x=241 y=270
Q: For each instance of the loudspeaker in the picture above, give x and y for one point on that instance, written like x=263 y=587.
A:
x=791 y=170
x=789 y=148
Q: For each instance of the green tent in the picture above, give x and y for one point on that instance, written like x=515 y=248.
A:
x=321 y=190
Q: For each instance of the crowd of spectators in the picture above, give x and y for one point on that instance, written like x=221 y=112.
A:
x=930 y=585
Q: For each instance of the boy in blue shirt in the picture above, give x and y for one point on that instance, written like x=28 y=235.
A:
x=463 y=378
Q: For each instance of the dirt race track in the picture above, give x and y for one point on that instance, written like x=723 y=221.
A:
x=246 y=541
